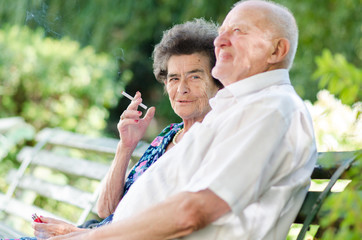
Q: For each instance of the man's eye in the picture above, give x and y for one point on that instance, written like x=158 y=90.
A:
x=195 y=77
x=172 y=79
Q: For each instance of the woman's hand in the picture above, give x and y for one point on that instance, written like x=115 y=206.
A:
x=131 y=127
x=52 y=227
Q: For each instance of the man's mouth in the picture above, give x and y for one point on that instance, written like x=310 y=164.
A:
x=224 y=56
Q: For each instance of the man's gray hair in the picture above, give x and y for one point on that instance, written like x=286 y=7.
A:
x=284 y=25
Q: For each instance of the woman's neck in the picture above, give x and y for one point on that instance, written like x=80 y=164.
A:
x=189 y=122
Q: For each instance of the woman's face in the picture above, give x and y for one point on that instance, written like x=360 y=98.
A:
x=190 y=85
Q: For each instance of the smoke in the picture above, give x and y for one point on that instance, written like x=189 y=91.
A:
x=42 y=19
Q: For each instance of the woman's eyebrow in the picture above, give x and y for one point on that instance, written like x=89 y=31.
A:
x=172 y=75
x=196 y=71
x=187 y=73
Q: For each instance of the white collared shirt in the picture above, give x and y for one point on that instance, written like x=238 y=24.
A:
x=255 y=150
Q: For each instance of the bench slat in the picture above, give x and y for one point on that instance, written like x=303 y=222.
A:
x=11 y=122
x=65 y=194
x=75 y=140
x=26 y=212
x=329 y=162
x=65 y=164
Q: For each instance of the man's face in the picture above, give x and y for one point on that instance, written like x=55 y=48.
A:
x=244 y=44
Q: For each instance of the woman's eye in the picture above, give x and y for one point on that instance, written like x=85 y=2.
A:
x=195 y=77
x=172 y=79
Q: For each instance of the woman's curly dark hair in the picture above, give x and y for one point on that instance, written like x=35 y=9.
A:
x=196 y=36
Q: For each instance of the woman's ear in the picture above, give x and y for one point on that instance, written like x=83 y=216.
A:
x=281 y=49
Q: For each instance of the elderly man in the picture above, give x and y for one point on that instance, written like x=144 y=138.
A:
x=242 y=173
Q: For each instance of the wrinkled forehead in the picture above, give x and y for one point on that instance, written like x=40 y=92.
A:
x=247 y=14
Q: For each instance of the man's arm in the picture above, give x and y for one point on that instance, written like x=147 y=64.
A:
x=178 y=216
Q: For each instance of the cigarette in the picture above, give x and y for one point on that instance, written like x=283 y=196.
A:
x=132 y=98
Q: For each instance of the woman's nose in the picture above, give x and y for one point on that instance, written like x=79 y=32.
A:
x=183 y=87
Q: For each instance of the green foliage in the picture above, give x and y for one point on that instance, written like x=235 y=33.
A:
x=55 y=83
x=328 y=24
x=337 y=126
x=340 y=77
x=344 y=218
x=128 y=31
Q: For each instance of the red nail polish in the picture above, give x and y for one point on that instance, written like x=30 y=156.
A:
x=36 y=218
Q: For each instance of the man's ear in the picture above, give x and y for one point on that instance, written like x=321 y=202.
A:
x=281 y=49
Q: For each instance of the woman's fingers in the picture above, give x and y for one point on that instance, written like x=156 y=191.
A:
x=135 y=102
x=134 y=116
x=50 y=220
x=130 y=114
x=149 y=114
x=53 y=228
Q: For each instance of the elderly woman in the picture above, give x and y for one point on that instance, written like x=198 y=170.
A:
x=182 y=62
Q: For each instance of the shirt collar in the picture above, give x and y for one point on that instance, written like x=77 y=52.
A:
x=255 y=83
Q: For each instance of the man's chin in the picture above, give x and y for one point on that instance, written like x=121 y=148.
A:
x=218 y=72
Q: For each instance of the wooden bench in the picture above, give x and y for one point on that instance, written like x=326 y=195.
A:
x=331 y=166
x=63 y=168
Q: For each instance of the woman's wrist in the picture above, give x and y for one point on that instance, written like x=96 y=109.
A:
x=124 y=149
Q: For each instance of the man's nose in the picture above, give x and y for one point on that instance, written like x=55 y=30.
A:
x=222 y=40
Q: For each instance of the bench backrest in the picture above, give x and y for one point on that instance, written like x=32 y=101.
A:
x=331 y=167
x=63 y=166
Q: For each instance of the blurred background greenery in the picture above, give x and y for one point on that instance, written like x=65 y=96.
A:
x=64 y=63
x=83 y=53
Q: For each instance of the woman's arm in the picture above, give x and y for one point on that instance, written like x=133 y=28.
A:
x=131 y=130
x=113 y=184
